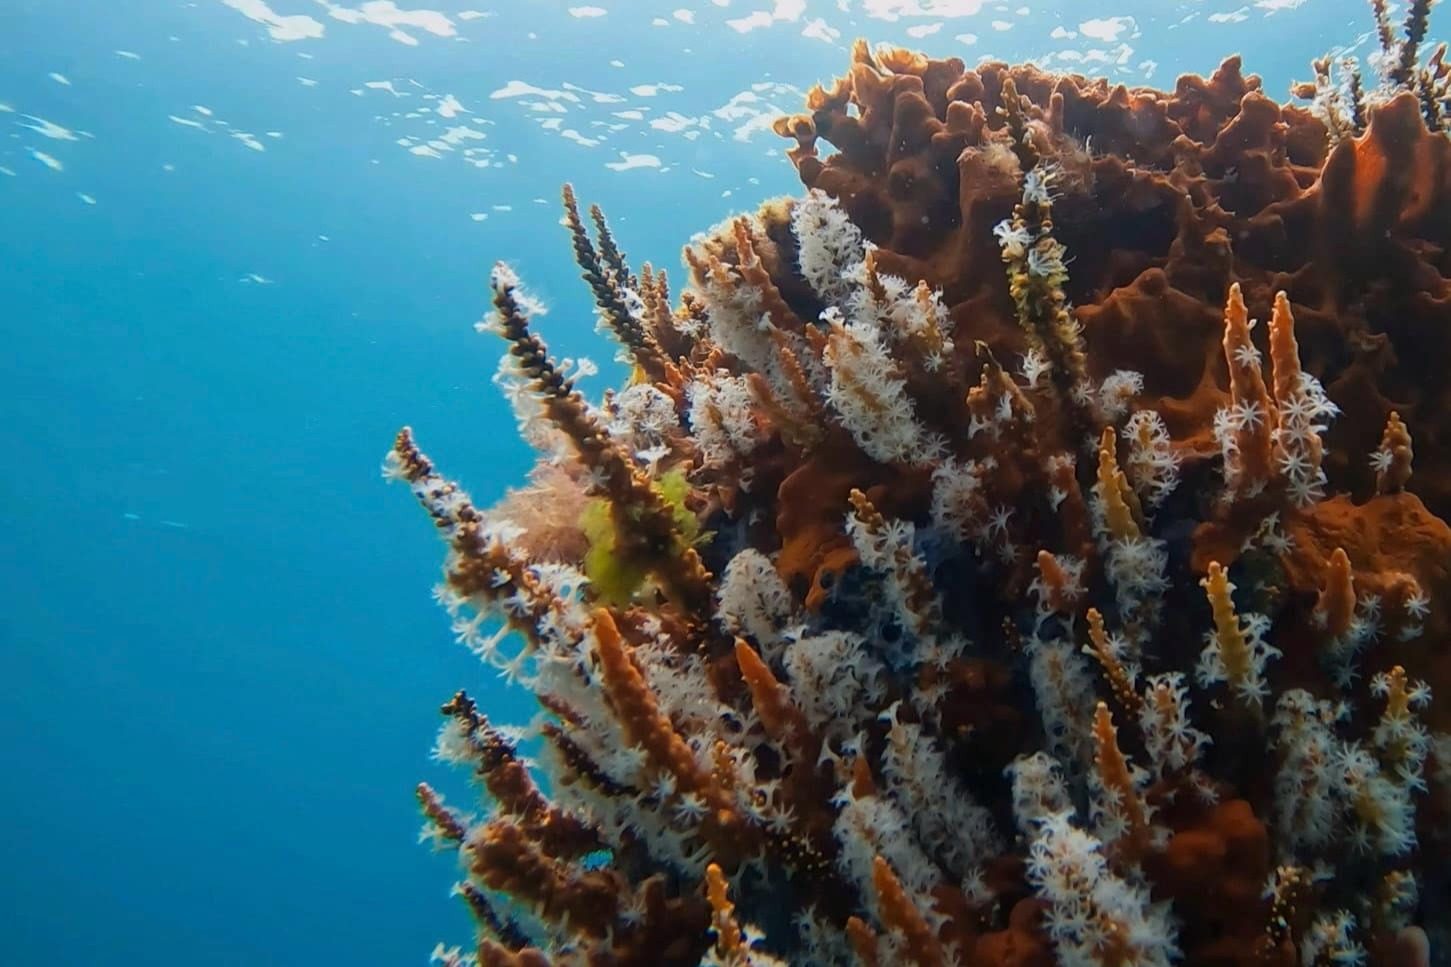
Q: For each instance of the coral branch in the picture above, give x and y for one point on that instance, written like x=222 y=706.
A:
x=1246 y=424
x=729 y=945
x=646 y=531
x=639 y=712
x=507 y=779
x=1392 y=461
x=900 y=915
x=1109 y=650
x=1123 y=810
x=1235 y=651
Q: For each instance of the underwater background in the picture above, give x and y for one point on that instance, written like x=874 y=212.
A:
x=241 y=243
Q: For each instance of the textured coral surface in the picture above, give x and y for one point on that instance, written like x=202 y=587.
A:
x=965 y=576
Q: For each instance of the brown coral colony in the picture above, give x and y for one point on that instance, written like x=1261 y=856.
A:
x=965 y=576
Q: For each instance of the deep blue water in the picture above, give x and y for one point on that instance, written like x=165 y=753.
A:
x=219 y=660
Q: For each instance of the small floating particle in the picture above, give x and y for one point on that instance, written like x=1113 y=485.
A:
x=50 y=162
x=47 y=129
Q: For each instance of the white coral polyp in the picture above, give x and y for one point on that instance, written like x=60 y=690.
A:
x=869 y=395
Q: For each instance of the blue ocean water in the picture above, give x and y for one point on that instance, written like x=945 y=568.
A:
x=241 y=243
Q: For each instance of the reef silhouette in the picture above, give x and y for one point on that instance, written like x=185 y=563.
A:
x=963 y=576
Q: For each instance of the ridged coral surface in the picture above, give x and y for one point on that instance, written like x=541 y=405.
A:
x=965 y=576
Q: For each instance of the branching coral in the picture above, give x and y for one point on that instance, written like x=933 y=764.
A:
x=964 y=577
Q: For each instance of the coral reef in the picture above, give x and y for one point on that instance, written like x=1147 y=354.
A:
x=963 y=576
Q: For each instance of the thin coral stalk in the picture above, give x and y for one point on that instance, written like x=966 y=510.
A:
x=608 y=277
x=646 y=530
x=901 y=916
x=1392 y=461
x=560 y=834
x=1418 y=15
x=1122 y=802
